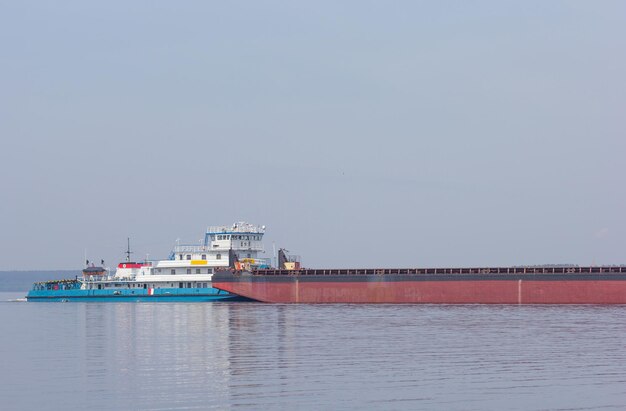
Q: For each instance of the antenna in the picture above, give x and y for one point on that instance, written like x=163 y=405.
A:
x=128 y=252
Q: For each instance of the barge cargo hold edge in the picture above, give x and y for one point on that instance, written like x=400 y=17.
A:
x=560 y=285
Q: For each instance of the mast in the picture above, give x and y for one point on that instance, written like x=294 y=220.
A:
x=128 y=252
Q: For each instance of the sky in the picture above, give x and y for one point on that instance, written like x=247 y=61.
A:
x=361 y=133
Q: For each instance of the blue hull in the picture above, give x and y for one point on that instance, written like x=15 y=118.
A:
x=134 y=295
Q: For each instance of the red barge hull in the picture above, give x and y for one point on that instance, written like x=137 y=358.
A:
x=553 y=285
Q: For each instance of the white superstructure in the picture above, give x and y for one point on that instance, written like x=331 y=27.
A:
x=223 y=247
x=191 y=266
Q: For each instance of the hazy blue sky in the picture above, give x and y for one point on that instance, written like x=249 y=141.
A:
x=361 y=133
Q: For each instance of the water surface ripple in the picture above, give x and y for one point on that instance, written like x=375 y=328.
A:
x=194 y=356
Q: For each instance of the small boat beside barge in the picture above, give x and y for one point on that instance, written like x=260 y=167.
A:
x=186 y=275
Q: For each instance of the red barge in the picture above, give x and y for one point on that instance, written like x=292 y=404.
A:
x=495 y=285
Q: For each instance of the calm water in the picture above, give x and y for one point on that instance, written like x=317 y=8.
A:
x=157 y=356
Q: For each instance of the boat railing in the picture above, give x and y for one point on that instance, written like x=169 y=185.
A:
x=236 y=228
x=107 y=279
x=189 y=248
x=184 y=249
x=67 y=284
x=447 y=271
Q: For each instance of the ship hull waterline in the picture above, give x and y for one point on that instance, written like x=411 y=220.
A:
x=576 y=289
x=158 y=295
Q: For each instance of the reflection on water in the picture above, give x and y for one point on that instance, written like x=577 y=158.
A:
x=255 y=356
